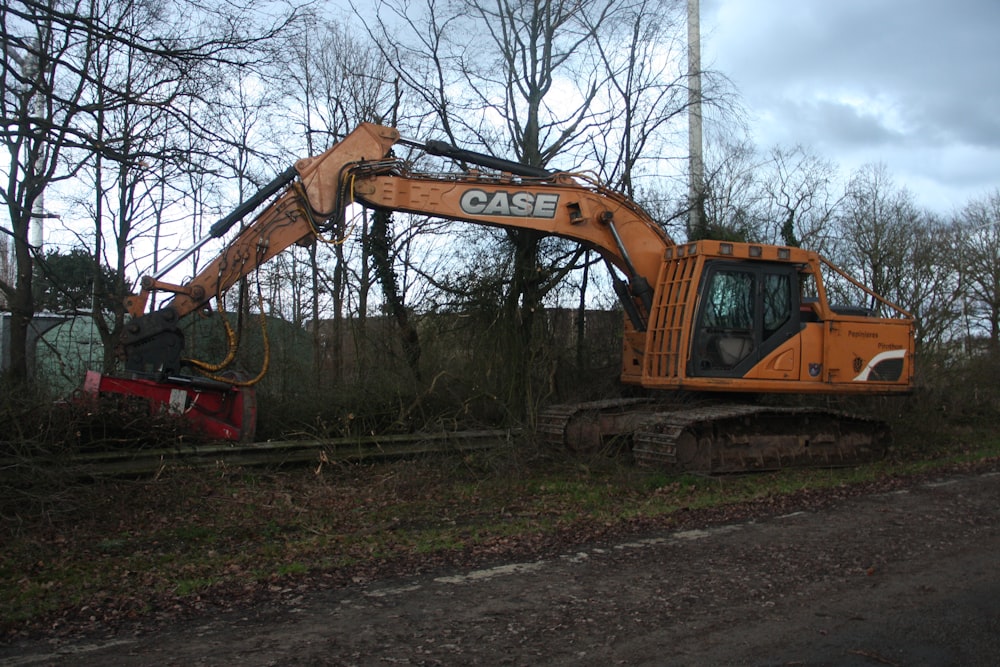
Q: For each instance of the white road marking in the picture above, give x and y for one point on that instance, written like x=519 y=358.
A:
x=490 y=573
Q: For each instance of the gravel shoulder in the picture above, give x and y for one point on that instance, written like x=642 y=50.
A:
x=904 y=577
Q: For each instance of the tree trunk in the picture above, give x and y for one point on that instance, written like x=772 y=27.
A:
x=581 y=315
x=319 y=357
x=22 y=310
x=523 y=302
x=379 y=241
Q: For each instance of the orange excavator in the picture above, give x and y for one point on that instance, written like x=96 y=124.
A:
x=706 y=318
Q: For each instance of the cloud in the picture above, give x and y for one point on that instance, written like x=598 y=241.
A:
x=911 y=84
x=853 y=121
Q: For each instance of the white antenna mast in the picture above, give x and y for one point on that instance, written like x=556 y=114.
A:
x=696 y=167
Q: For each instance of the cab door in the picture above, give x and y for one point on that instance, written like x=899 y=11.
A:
x=746 y=310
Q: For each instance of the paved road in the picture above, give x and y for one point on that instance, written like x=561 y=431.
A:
x=905 y=578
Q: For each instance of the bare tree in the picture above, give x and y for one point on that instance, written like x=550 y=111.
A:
x=135 y=135
x=732 y=194
x=539 y=81
x=40 y=110
x=338 y=81
x=800 y=201
x=57 y=90
x=979 y=262
x=932 y=289
x=784 y=196
x=877 y=224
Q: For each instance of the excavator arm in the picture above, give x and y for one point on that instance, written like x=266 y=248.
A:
x=312 y=197
x=309 y=196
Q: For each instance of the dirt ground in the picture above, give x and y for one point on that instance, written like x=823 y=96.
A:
x=905 y=577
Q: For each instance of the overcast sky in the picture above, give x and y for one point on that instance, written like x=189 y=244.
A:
x=914 y=84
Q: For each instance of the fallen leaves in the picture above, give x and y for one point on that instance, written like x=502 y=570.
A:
x=157 y=549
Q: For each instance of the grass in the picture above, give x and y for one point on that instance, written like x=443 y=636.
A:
x=118 y=549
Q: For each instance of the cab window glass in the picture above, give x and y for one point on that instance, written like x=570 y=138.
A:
x=730 y=301
x=777 y=302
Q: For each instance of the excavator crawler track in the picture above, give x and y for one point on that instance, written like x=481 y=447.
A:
x=742 y=438
x=718 y=438
x=591 y=426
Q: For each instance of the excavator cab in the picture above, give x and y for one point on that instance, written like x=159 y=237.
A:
x=739 y=317
x=746 y=312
